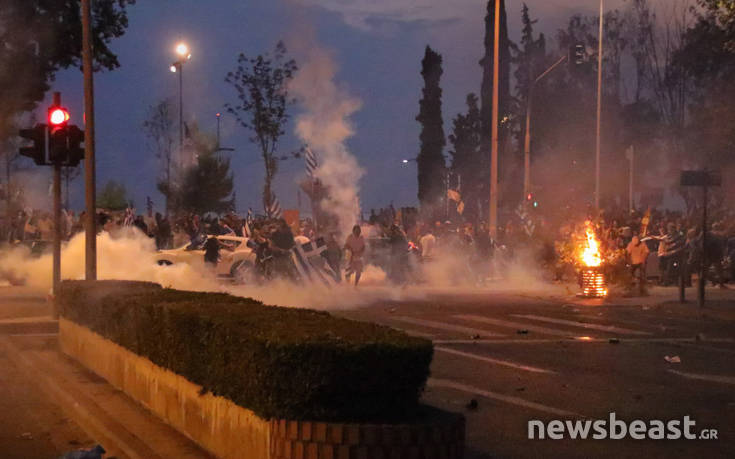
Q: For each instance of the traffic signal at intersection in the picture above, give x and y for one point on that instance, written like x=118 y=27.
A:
x=37 y=135
x=57 y=142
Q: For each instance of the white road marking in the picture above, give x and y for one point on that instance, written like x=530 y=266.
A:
x=574 y=323
x=577 y=340
x=516 y=325
x=446 y=326
x=505 y=363
x=711 y=378
x=445 y=383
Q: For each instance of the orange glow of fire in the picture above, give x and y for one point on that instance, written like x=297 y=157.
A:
x=591 y=250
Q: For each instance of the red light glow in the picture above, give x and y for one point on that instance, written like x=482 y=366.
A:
x=58 y=116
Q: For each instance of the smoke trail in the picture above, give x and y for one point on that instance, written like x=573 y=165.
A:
x=325 y=127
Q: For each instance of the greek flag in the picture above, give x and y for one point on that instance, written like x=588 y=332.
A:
x=311 y=163
x=274 y=210
x=311 y=266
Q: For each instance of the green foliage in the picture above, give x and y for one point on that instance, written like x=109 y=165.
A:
x=466 y=156
x=207 y=186
x=262 y=90
x=279 y=362
x=113 y=196
x=430 y=161
x=39 y=37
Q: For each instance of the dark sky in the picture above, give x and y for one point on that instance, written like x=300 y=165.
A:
x=378 y=45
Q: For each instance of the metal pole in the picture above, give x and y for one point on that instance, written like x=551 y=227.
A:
x=527 y=146
x=599 y=112
x=630 y=179
x=527 y=139
x=57 y=234
x=90 y=224
x=703 y=265
x=493 y=220
x=217 y=131
x=181 y=113
x=57 y=223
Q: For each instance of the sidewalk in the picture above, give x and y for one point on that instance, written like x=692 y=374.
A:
x=50 y=404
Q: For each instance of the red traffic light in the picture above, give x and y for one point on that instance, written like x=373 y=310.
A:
x=58 y=116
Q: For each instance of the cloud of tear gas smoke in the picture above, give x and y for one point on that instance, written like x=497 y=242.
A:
x=129 y=255
x=325 y=126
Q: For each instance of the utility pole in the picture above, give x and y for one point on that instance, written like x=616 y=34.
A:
x=493 y=216
x=90 y=223
x=599 y=111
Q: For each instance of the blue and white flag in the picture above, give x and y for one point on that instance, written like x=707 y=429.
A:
x=311 y=163
x=274 y=210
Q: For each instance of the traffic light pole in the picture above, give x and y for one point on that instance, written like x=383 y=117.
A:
x=57 y=224
x=57 y=234
x=90 y=223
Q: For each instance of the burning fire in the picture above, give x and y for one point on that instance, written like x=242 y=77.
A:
x=593 y=281
x=591 y=251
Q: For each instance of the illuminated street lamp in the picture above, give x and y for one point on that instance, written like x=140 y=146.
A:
x=178 y=67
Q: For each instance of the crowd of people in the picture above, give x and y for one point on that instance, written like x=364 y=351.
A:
x=401 y=242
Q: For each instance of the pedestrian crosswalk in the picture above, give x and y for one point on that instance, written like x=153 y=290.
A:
x=513 y=328
x=585 y=325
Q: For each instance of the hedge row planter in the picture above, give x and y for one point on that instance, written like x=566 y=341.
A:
x=107 y=326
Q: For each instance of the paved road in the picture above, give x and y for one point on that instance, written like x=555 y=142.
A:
x=533 y=358
x=520 y=357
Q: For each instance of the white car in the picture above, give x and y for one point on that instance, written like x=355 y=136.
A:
x=237 y=260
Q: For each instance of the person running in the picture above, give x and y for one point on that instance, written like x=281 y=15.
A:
x=355 y=244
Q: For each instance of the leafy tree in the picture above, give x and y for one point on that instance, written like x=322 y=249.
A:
x=207 y=186
x=39 y=37
x=430 y=160
x=160 y=128
x=261 y=83
x=113 y=196
x=466 y=156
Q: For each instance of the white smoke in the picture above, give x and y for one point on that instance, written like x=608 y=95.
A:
x=126 y=254
x=325 y=127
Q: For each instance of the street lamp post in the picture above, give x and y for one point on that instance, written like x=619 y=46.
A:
x=599 y=111
x=178 y=67
x=527 y=139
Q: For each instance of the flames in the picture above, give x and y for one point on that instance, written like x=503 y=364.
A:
x=591 y=249
x=592 y=279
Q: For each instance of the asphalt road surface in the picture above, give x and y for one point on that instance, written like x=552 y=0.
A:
x=519 y=357
x=548 y=359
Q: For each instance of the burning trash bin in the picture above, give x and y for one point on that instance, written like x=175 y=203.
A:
x=592 y=277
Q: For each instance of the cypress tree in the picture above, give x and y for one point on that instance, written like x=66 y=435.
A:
x=430 y=160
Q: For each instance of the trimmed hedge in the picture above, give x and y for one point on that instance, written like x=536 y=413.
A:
x=278 y=362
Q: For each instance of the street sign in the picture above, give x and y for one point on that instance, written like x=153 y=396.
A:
x=704 y=179
x=701 y=178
